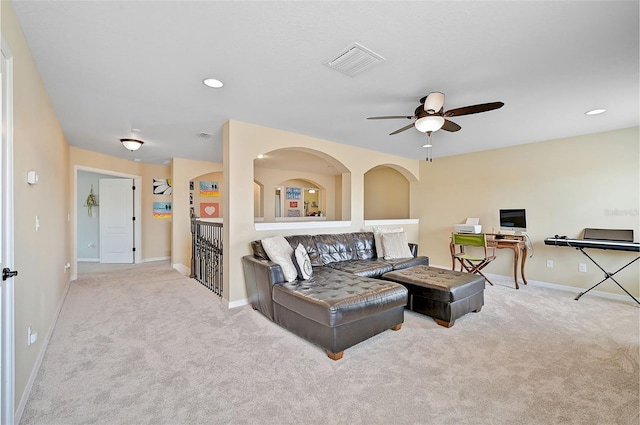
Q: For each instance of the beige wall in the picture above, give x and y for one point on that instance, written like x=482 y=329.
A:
x=565 y=185
x=40 y=256
x=386 y=194
x=156 y=233
x=243 y=142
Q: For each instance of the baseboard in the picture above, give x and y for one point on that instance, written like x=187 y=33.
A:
x=235 y=304
x=36 y=368
x=150 y=260
x=572 y=289
x=186 y=271
x=564 y=288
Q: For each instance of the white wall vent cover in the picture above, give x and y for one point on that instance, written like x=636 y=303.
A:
x=354 y=59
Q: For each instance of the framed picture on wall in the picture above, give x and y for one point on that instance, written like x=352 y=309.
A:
x=294 y=193
x=162 y=210
x=209 y=189
x=293 y=204
x=209 y=210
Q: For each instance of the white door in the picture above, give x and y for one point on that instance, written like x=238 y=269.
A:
x=6 y=243
x=115 y=201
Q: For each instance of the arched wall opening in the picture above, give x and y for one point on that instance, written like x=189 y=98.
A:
x=387 y=194
x=299 y=184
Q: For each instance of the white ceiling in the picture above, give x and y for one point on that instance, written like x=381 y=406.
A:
x=110 y=66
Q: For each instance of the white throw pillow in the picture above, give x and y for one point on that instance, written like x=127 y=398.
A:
x=377 y=235
x=280 y=252
x=395 y=246
x=304 y=263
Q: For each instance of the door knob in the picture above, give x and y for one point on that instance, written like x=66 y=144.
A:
x=7 y=273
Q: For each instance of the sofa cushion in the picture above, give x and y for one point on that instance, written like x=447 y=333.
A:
x=333 y=298
x=335 y=247
x=395 y=246
x=309 y=246
x=404 y=263
x=305 y=271
x=258 y=250
x=366 y=268
x=365 y=245
x=281 y=253
x=377 y=235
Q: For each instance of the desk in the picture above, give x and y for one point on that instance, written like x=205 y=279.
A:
x=516 y=243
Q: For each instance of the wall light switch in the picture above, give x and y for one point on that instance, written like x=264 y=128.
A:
x=32 y=177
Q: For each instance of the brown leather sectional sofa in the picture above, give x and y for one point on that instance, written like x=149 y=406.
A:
x=343 y=303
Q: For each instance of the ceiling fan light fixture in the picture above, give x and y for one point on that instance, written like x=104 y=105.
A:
x=132 y=144
x=429 y=123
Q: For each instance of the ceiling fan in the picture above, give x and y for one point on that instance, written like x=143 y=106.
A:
x=430 y=115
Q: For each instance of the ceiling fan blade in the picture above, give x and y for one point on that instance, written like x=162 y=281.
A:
x=450 y=126
x=395 y=117
x=473 y=109
x=400 y=130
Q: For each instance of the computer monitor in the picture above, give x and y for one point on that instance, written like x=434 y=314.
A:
x=514 y=220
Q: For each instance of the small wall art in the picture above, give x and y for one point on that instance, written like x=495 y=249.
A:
x=162 y=210
x=293 y=204
x=209 y=189
x=209 y=210
x=161 y=186
x=191 y=185
x=294 y=193
x=293 y=213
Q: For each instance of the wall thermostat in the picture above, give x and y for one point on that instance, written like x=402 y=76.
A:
x=32 y=177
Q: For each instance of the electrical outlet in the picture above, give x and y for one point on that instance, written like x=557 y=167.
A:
x=582 y=267
x=32 y=336
x=550 y=263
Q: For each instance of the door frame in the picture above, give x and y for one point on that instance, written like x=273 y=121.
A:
x=7 y=327
x=137 y=210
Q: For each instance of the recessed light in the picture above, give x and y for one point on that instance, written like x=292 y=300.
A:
x=427 y=146
x=596 y=111
x=212 y=82
x=260 y=156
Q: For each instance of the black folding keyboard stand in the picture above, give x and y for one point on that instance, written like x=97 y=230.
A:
x=607 y=275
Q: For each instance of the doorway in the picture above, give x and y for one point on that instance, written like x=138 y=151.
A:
x=82 y=215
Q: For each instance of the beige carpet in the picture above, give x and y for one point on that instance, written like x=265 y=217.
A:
x=143 y=345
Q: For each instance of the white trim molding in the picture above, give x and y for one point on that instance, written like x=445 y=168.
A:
x=294 y=225
x=392 y=222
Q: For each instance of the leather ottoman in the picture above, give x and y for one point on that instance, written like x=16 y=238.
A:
x=442 y=294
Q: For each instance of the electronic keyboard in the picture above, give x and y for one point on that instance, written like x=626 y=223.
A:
x=593 y=243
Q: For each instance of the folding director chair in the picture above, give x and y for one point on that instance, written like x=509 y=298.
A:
x=465 y=248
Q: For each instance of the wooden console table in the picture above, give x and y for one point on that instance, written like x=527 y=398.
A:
x=516 y=243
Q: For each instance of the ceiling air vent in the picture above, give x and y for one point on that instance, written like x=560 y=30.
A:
x=354 y=59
